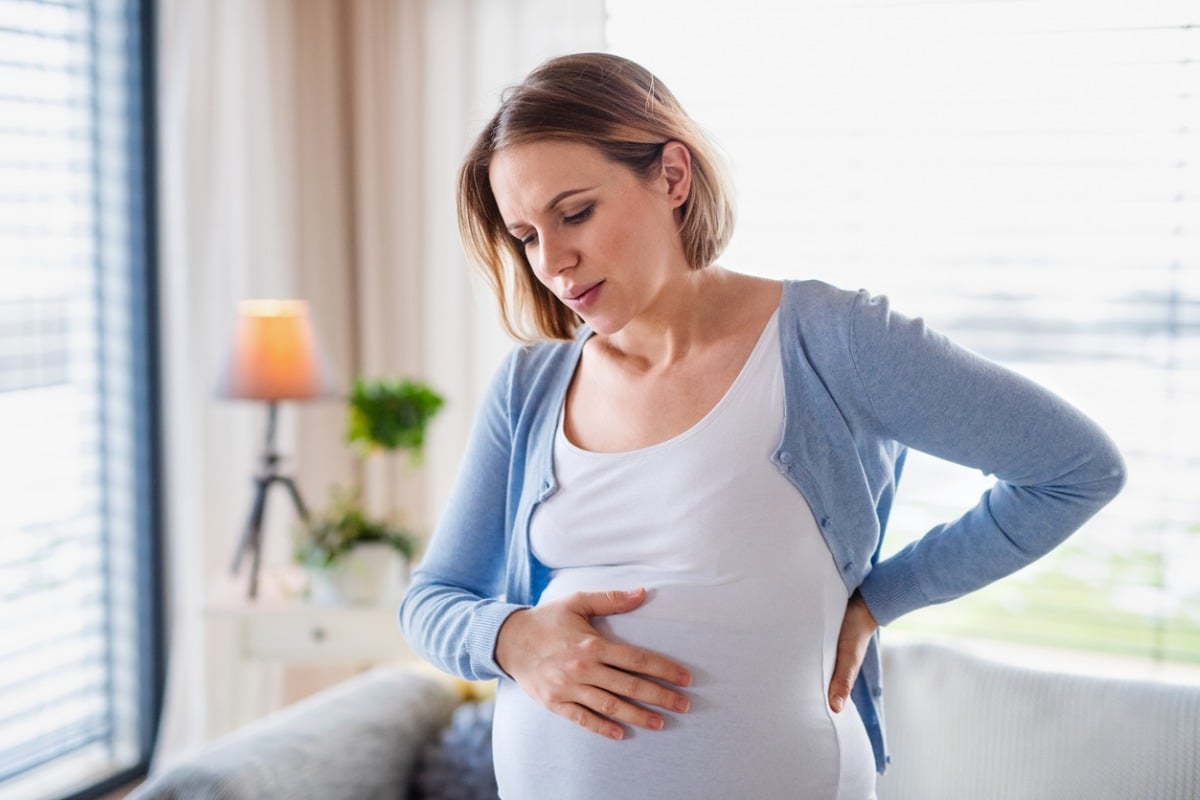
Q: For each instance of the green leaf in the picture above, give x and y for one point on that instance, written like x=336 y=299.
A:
x=391 y=415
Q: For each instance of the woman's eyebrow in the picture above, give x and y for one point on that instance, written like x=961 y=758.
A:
x=558 y=198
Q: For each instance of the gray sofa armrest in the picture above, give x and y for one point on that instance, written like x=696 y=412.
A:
x=360 y=739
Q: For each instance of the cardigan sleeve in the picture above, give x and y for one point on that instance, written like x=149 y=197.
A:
x=1054 y=467
x=452 y=612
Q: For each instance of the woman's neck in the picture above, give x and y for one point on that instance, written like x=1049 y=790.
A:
x=690 y=315
x=683 y=317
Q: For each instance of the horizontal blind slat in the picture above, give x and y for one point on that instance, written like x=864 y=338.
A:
x=69 y=384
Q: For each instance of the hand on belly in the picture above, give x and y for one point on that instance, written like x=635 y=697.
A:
x=555 y=654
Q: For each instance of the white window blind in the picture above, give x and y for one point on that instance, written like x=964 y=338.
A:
x=1025 y=176
x=77 y=679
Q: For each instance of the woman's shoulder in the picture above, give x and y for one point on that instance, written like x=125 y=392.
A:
x=819 y=311
x=545 y=354
x=817 y=296
x=834 y=327
x=537 y=366
x=732 y=289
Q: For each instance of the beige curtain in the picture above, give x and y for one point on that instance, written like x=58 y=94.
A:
x=308 y=149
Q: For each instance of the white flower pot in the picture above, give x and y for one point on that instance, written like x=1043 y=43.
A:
x=372 y=574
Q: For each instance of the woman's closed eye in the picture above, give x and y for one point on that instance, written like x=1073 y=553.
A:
x=571 y=219
x=575 y=219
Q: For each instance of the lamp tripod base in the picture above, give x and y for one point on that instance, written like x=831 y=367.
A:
x=251 y=541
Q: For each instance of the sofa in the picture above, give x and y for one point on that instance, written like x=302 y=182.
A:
x=960 y=727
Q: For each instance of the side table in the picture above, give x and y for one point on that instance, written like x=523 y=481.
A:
x=249 y=640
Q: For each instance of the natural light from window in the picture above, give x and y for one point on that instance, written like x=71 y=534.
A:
x=1024 y=176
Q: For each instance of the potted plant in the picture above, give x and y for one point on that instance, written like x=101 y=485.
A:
x=350 y=555
x=391 y=415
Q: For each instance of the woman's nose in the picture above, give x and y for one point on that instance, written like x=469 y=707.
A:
x=555 y=256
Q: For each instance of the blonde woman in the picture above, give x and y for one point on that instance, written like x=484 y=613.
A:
x=664 y=538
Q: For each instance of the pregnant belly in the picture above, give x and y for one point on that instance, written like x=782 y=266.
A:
x=759 y=725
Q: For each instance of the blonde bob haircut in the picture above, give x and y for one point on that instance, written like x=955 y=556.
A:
x=622 y=110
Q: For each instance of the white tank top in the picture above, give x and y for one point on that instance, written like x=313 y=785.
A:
x=743 y=591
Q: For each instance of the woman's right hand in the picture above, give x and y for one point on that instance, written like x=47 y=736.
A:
x=557 y=657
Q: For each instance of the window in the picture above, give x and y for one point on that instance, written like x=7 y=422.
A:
x=78 y=638
x=1024 y=176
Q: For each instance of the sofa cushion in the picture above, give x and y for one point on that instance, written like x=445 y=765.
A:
x=960 y=726
x=357 y=741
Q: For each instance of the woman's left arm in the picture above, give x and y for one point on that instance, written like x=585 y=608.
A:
x=1054 y=466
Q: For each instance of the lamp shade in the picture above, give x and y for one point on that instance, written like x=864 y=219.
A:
x=275 y=354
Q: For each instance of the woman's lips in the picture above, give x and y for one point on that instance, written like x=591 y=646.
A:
x=585 y=299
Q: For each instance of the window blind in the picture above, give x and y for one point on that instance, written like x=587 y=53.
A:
x=76 y=636
x=1024 y=176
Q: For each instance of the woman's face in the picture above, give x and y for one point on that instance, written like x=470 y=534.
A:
x=605 y=241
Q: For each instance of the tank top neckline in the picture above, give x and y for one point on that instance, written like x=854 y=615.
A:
x=760 y=346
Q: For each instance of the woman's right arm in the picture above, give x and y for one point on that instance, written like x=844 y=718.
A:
x=451 y=613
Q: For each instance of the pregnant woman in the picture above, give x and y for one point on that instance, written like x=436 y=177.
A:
x=664 y=537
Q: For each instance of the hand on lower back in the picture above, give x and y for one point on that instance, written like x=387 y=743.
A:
x=857 y=628
x=559 y=659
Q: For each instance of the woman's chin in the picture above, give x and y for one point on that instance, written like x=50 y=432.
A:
x=602 y=324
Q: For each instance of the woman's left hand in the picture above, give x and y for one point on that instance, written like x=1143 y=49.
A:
x=857 y=628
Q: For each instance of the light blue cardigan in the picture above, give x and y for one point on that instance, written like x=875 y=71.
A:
x=862 y=384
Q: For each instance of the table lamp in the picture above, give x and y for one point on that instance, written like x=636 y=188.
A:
x=274 y=357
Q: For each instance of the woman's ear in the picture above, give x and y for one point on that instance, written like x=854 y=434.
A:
x=677 y=172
